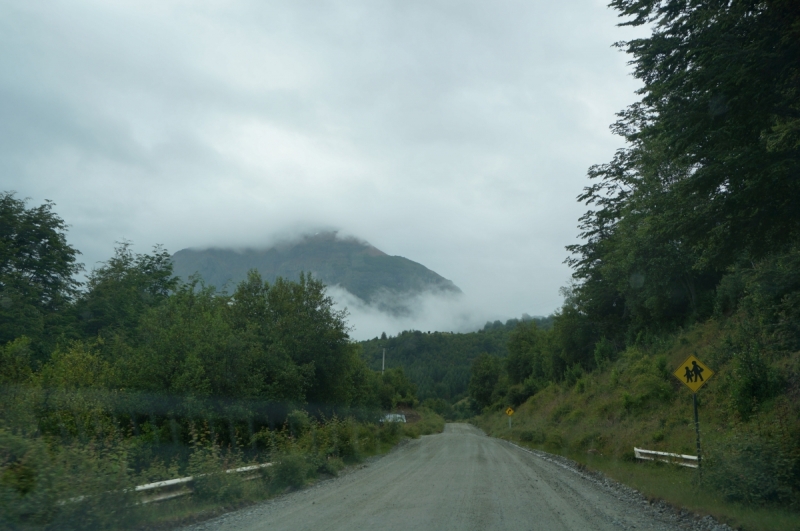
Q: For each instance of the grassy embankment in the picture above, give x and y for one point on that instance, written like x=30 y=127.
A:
x=636 y=401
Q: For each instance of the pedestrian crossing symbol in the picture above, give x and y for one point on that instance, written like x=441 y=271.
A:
x=509 y=411
x=693 y=373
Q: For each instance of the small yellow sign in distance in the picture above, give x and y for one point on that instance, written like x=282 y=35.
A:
x=693 y=373
x=509 y=411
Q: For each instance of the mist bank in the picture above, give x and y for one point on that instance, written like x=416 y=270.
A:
x=427 y=311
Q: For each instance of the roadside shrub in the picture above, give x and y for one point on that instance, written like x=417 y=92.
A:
x=298 y=422
x=411 y=430
x=332 y=466
x=589 y=440
x=390 y=432
x=292 y=470
x=753 y=380
x=532 y=436
x=69 y=487
x=430 y=423
x=751 y=470
x=555 y=441
x=208 y=463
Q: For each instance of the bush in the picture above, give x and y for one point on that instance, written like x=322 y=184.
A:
x=752 y=381
x=292 y=470
x=440 y=406
x=390 y=432
x=430 y=423
x=207 y=463
x=70 y=487
x=411 y=430
x=331 y=466
x=604 y=352
x=299 y=422
x=517 y=394
x=532 y=436
x=754 y=471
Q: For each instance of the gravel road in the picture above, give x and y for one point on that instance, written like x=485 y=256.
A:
x=461 y=479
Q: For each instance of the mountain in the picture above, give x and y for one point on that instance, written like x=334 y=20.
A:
x=366 y=272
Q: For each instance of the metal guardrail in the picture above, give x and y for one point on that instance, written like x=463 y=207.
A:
x=677 y=459
x=174 y=488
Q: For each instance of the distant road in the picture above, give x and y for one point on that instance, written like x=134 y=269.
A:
x=461 y=480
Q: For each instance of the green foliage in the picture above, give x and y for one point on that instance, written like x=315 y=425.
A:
x=755 y=471
x=705 y=184
x=299 y=423
x=396 y=389
x=527 y=353
x=438 y=363
x=485 y=377
x=208 y=463
x=122 y=289
x=532 y=436
x=441 y=407
x=430 y=423
x=78 y=486
x=15 y=361
x=291 y=470
x=37 y=269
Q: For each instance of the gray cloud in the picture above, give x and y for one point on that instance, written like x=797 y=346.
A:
x=456 y=134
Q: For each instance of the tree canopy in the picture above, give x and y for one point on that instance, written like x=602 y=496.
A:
x=37 y=271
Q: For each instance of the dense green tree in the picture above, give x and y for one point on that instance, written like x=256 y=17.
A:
x=37 y=272
x=187 y=346
x=485 y=374
x=305 y=326
x=396 y=389
x=709 y=176
x=524 y=352
x=121 y=289
x=719 y=119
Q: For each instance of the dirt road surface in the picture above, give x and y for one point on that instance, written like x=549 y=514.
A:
x=461 y=480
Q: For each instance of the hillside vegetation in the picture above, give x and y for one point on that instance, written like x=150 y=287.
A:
x=750 y=455
x=691 y=246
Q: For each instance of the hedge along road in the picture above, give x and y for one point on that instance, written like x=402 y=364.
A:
x=460 y=479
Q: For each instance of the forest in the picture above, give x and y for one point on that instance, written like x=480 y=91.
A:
x=438 y=363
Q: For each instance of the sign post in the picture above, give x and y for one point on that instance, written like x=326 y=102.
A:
x=509 y=412
x=694 y=374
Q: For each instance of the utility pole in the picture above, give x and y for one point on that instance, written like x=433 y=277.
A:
x=383 y=363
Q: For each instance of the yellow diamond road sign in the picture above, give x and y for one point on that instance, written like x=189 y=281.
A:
x=693 y=373
x=509 y=412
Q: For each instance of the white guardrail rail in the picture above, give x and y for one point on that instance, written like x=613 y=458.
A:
x=174 y=488
x=676 y=459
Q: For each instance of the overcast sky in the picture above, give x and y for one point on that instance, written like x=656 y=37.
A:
x=456 y=134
